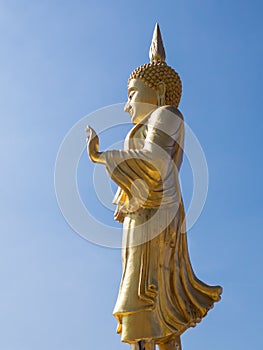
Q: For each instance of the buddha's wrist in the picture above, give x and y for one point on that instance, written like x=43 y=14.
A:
x=99 y=157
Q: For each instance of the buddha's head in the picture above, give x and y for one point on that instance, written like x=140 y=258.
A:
x=153 y=84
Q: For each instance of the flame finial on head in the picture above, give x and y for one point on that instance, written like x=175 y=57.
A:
x=157 y=52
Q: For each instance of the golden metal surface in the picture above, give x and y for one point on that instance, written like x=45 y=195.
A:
x=157 y=52
x=159 y=296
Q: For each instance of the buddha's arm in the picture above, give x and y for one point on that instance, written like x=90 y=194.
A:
x=149 y=163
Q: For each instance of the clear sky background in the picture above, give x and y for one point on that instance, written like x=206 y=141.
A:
x=61 y=60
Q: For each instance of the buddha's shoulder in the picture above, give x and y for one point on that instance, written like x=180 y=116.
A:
x=167 y=119
x=169 y=109
x=170 y=115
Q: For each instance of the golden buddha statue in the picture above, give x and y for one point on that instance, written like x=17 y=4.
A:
x=159 y=297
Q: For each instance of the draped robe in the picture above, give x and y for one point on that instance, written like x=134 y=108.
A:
x=159 y=295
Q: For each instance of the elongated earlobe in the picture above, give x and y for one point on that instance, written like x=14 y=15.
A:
x=161 y=89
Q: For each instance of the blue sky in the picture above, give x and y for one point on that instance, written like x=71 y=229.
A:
x=61 y=60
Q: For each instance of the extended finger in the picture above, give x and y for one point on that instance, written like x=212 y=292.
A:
x=88 y=128
x=93 y=134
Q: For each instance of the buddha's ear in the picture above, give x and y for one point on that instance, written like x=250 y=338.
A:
x=161 y=89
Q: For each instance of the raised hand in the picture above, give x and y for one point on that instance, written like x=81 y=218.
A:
x=92 y=140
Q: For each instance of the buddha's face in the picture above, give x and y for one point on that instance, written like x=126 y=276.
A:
x=141 y=100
